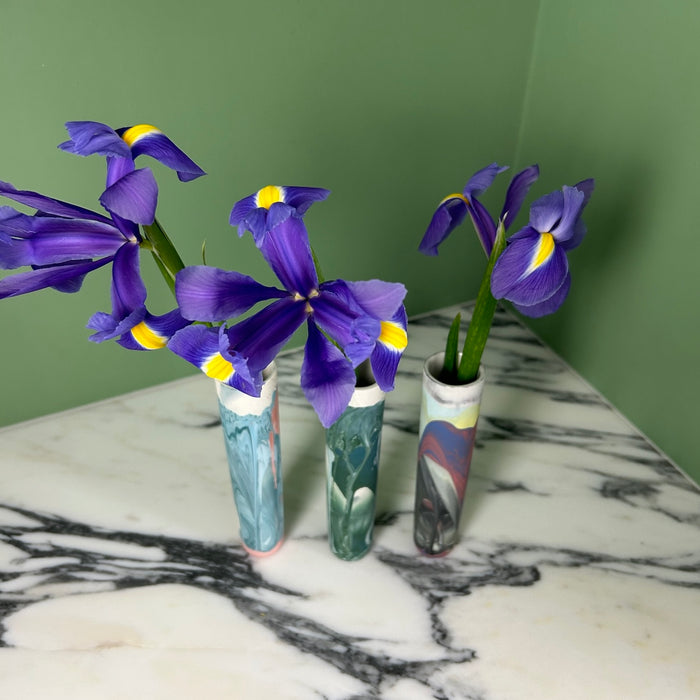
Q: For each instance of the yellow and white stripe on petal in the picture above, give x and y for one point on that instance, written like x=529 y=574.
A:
x=268 y=196
x=147 y=338
x=218 y=367
x=542 y=252
x=457 y=195
x=393 y=336
x=135 y=133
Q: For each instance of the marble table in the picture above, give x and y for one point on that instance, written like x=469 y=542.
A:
x=577 y=574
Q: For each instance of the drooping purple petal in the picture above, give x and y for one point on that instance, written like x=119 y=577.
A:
x=261 y=336
x=449 y=214
x=201 y=346
x=286 y=249
x=327 y=377
x=549 y=305
x=517 y=191
x=338 y=318
x=482 y=179
x=133 y=197
x=94 y=138
x=524 y=276
x=210 y=294
x=388 y=350
x=144 y=139
x=128 y=290
x=153 y=332
x=48 y=205
x=66 y=277
x=109 y=326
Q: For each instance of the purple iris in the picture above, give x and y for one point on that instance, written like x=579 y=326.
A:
x=257 y=212
x=533 y=270
x=454 y=208
x=346 y=322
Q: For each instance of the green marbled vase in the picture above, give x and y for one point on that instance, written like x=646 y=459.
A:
x=352 y=461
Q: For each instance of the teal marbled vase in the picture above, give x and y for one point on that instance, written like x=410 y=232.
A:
x=352 y=462
x=252 y=437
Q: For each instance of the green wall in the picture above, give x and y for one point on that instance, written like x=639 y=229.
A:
x=614 y=94
x=391 y=105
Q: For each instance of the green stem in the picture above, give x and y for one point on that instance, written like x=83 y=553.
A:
x=166 y=256
x=482 y=318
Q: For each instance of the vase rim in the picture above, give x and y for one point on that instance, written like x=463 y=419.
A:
x=435 y=361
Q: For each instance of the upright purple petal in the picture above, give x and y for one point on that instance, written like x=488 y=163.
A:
x=482 y=179
x=517 y=191
x=133 y=197
x=210 y=294
x=94 y=138
x=483 y=224
x=286 y=249
x=571 y=211
x=301 y=198
x=327 y=377
x=546 y=211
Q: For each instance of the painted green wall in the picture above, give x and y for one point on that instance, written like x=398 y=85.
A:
x=614 y=94
x=391 y=105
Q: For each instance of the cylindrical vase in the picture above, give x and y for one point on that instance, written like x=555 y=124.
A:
x=448 y=418
x=252 y=437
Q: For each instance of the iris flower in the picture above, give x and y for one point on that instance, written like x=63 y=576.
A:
x=453 y=209
x=533 y=270
x=346 y=322
x=255 y=212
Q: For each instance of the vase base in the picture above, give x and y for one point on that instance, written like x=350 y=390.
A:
x=434 y=555
x=262 y=555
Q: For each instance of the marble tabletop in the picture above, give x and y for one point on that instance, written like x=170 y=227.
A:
x=577 y=574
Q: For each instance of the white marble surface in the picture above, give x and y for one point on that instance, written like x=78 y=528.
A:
x=577 y=575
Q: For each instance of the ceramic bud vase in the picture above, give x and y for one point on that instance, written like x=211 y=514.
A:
x=448 y=418
x=352 y=461
x=252 y=437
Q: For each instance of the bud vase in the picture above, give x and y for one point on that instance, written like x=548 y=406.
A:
x=252 y=438
x=352 y=461
x=448 y=417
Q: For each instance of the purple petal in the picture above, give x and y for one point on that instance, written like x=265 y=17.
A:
x=517 y=191
x=549 y=305
x=147 y=140
x=109 y=326
x=49 y=205
x=546 y=211
x=88 y=138
x=286 y=249
x=261 y=336
x=483 y=224
x=133 y=197
x=573 y=204
x=241 y=209
x=482 y=180
x=65 y=277
x=153 y=332
x=388 y=350
x=376 y=297
x=117 y=168
x=128 y=289
x=520 y=277
x=327 y=377
x=338 y=318
x=301 y=198
x=210 y=294
x=449 y=214
x=49 y=240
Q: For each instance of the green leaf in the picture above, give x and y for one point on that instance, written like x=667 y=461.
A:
x=482 y=318
x=449 y=368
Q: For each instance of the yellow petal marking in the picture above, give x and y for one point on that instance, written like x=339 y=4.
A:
x=267 y=196
x=218 y=367
x=147 y=338
x=545 y=249
x=457 y=195
x=134 y=133
x=393 y=335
